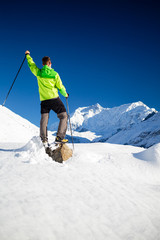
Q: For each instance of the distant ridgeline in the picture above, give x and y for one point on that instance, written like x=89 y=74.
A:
x=130 y=124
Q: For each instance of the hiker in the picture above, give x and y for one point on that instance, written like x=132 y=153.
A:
x=49 y=83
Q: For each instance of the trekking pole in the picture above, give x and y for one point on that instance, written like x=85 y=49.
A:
x=14 y=81
x=70 y=122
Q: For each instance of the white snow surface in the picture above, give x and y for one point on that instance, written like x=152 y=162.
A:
x=105 y=191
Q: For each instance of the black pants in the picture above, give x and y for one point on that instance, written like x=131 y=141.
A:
x=58 y=107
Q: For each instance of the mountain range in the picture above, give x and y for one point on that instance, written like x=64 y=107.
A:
x=130 y=124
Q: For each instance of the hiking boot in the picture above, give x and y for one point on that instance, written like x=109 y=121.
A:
x=59 y=140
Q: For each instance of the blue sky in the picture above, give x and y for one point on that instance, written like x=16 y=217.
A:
x=106 y=52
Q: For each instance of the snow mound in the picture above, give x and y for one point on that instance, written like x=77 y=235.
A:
x=33 y=152
x=152 y=154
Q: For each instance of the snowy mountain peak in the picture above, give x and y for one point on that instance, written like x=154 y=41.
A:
x=93 y=108
x=139 y=105
x=135 y=105
x=82 y=114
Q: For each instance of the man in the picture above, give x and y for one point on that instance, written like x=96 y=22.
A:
x=49 y=83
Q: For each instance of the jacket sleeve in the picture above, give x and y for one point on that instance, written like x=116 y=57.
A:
x=60 y=86
x=34 y=69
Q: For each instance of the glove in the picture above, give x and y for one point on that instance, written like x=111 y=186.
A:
x=68 y=95
x=27 y=52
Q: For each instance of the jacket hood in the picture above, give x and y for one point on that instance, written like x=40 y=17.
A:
x=47 y=72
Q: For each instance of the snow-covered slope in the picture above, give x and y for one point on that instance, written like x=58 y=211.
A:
x=134 y=124
x=14 y=128
x=105 y=191
x=145 y=134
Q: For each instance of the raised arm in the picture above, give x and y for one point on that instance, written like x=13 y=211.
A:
x=34 y=69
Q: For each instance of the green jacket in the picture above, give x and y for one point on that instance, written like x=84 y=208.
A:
x=49 y=81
